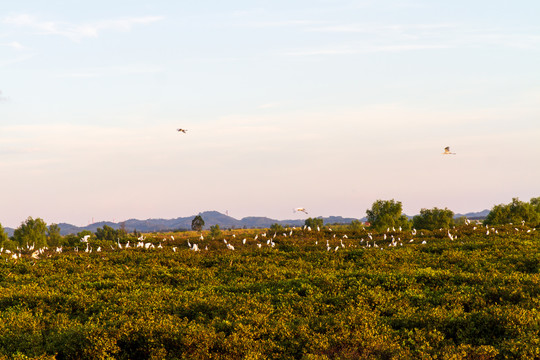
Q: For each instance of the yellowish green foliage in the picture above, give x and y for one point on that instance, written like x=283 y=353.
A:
x=474 y=297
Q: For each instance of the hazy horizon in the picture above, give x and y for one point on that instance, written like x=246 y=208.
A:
x=291 y=218
x=317 y=104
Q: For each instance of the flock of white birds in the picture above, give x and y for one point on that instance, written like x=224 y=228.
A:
x=392 y=237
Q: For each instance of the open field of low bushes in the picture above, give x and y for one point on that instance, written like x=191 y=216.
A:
x=471 y=293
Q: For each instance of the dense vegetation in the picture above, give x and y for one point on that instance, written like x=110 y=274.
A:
x=515 y=212
x=384 y=292
x=387 y=213
x=432 y=219
x=343 y=293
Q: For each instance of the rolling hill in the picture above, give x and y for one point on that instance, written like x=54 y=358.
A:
x=212 y=218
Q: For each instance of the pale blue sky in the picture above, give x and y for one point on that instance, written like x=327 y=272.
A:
x=328 y=105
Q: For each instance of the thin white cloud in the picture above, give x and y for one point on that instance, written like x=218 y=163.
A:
x=111 y=71
x=380 y=29
x=359 y=49
x=444 y=33
x=269 y=105
x=372 y=38
x=280 y=23
x=498 y=38
x=16 y=60
x=77 y=32
x=14 y=45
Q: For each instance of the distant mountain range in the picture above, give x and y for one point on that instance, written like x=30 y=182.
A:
x=481 y=215
x=212 y=218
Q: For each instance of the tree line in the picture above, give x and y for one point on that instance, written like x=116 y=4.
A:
x=382 y=215
x=385 y=214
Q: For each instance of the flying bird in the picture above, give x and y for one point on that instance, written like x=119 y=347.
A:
x=181 y=130
x=300 y=209
x=447 y=151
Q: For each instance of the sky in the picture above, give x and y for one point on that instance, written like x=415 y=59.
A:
x=328 y=105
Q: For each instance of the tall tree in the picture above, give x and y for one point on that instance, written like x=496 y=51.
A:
x=215 y=231
x=197 y=223
x=3 y=236
x=107 y=233
x=314 y=222
x=387 y=213
x=431 y=219
x=535 y=202
x=515 y=212
x=31 y=232
x=53 y=235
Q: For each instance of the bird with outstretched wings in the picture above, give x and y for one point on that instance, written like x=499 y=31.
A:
x=181 y=130
x=447 y=151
